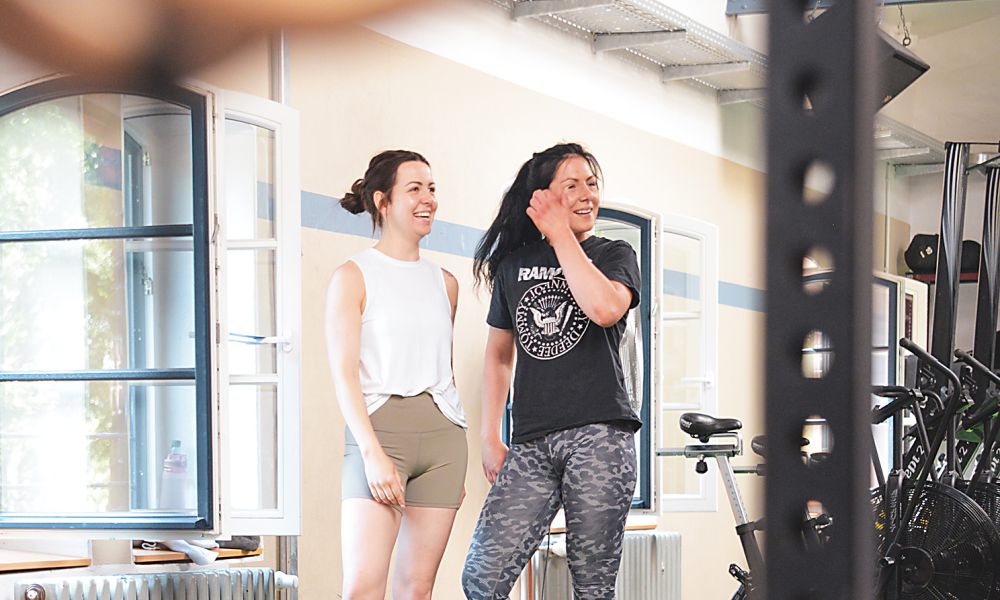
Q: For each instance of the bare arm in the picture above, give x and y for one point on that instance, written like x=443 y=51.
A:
x=603 y=300
x=344 y=302
x=497 y=372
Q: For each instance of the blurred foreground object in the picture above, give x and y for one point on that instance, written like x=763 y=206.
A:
x=142 y=41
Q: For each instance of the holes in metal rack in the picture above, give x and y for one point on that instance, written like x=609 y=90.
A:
x=817 y=270
x=809 y=89
x=817 y=354
x=817 y=181
x=819 y=434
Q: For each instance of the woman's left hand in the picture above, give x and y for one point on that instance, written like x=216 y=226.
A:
x=550 y=214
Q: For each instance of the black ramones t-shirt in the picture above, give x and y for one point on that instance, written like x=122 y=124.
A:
x=569 y=371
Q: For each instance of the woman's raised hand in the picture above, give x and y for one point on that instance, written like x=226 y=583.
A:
x=550 y=214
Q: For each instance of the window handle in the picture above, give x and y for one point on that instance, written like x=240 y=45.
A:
x=707 y=381
x=284 y=343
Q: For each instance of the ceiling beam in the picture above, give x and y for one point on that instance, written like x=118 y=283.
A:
x=546 y=8
x=897 y=153
x=738 y=96
x=604 y=42
x=755 y=7
x=911 y=170
x=675 y=72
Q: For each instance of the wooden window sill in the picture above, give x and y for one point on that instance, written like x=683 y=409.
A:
x=147 y=557
x=18 y=560
x=632 y=523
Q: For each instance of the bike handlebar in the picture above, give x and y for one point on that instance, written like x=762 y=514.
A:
x=933 y=362
x=881 y=414
x=973 y=362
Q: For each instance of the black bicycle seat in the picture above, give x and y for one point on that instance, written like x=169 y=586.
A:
x=818 y=458
x=759 y=445
x=703 y=426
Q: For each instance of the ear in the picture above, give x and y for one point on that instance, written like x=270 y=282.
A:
x=379 y=199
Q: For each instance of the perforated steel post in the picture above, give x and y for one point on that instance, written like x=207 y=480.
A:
x=827 y=65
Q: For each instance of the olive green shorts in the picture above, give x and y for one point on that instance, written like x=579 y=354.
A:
x=430 y=453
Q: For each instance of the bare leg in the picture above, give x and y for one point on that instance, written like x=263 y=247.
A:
x=422 y=540
x=367 y=534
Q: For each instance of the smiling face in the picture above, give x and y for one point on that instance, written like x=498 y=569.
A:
x=410 y=212
x=576 y=183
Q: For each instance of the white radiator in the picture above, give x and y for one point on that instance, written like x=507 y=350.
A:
x=222 y=584
x=650 y=569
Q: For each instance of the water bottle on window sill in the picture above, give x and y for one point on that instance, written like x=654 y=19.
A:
x=176 y=487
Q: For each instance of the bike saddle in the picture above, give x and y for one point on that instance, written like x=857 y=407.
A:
x=703 y=426
x=818 y=458
x=759 y=445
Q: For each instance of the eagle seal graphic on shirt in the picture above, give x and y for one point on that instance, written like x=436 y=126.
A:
x=548 y=321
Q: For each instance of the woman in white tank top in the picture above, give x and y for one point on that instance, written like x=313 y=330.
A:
x=389 y=321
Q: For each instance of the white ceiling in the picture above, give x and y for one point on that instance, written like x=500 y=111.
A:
x=959 y=97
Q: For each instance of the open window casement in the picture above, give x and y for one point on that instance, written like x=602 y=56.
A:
x=688 y=353
x=640 y=228
x=127 y=267
x=259 y=316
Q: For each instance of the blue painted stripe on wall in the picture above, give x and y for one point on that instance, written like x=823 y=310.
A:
x=324 y=213
x=741 y=296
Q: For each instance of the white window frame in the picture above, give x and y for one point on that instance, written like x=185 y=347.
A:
x=706 y=499
x=286 y=519
x=656 y=286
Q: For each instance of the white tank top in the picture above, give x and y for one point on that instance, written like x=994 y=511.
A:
x=406 y=333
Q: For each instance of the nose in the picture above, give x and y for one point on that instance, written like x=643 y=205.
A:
x=428 y=199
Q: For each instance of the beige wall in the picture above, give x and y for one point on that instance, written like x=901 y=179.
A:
x=359 y=93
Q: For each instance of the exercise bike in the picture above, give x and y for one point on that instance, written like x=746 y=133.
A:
x=932 y=540
x=720 y=439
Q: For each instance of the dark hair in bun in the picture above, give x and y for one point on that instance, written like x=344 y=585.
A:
x=380 y=177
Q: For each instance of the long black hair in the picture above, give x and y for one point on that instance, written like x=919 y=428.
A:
x=380 y=177
x=512 y=228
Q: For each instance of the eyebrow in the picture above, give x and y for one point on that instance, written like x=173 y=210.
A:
x=575 y=179
x=418 y=183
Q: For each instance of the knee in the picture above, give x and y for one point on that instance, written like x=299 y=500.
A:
x=363 y=589
x=413 y=590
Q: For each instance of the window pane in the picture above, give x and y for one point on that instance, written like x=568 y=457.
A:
x=251 y=311
x=96 y=304
x=677 y=474
x=880 y=316
x=164 y=447
x=682 y=372
x=250 y=160
x=253 y=446
x=632 y=354
x=97 y=160
x=67 y=447
x=614 y=230
x=682 y=265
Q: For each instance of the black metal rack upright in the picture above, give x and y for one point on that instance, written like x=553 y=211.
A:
x=828 y=67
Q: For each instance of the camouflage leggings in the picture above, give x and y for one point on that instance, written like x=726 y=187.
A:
x=590 y=471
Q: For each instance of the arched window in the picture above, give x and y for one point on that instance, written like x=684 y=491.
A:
x=125 y=229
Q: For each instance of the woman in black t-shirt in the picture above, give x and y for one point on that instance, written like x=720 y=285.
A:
x=560 y=296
